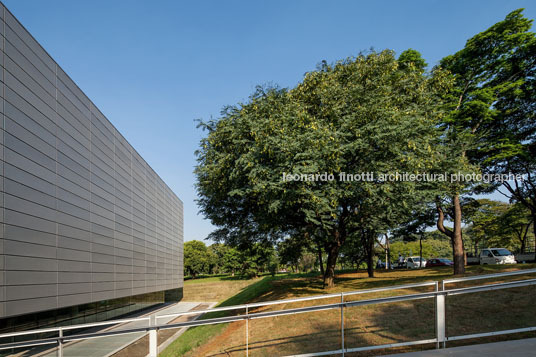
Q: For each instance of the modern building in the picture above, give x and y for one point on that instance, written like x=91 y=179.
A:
x=88 y=230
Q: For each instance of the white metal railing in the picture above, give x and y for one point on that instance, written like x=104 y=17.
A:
x=153 y=326
x=487 y=276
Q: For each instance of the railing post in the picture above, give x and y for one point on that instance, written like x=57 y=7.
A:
x=247 y=330
x=60 y=342
x=342 y=323
x=440 y=318
x=153 y=337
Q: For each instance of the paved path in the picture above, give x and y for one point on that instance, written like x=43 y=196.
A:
x=516 y=348
x=105 y=346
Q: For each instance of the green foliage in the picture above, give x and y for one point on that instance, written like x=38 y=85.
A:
x=231 y=260
x=372 y=113
x=359 y=115
x=431 y=248
x=492 y=104
x=221 y=258
x=412 y=58
x=499 y=224
x=197 y=258
x=257 y=259
x=273 y=265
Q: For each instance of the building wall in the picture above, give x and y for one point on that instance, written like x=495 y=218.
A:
x=83 y=217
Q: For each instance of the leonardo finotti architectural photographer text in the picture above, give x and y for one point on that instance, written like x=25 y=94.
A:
x=404 y=176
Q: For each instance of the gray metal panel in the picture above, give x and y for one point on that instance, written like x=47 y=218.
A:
x=17 y=307
x=85 y=217
x=30 y=263
x=72 y=232
x=14 y=44
x=24 y=234
x=16 y=106
x=25 y=36
x=43 y=105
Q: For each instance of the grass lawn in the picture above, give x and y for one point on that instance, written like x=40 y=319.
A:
x=214 y=288
x=366 y=325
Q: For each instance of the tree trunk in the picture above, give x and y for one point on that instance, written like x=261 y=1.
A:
x=329 y=275
x=533 y=213
x=455 y=234
x=369 y=249
x=420 y=252
x=320 y=262
x=523 y=237
x=370 y=265
x=457 y=239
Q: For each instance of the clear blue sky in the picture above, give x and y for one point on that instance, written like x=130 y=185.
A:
x=153 y=67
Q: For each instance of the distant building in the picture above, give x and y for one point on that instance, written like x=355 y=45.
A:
x=88 y=230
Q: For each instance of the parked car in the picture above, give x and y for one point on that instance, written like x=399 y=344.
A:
x=439 y=262
x=472 y=259
x=497 y=256
x=415 y=262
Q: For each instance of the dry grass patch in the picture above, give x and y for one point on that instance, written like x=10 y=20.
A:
x=214 y=289
x=372 y=324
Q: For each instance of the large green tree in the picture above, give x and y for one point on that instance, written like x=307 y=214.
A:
x=361 y=115
x=484 y=224
x=196 y=258
x=498 y=224
x=491 y=122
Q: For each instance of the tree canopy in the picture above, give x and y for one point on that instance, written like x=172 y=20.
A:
x=361 y=115
x=303 y=165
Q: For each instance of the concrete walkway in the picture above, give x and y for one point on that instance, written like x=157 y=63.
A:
x=516 y=348
x=106 y=346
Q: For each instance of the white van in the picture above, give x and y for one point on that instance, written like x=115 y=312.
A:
x=415 y=262
x=496 y=256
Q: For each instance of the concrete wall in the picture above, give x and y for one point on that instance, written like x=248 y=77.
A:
x=83 y=217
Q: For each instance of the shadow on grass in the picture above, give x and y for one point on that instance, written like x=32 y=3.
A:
x=365 y=325
x=397 y=322
x=394 y=323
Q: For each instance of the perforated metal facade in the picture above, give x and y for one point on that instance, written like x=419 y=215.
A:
x=83 y=217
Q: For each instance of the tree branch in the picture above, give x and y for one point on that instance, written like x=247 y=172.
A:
x=440 y=221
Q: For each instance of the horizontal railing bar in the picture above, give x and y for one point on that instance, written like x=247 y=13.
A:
x=49 y=341
x=308 y=298
x=197 y=312
x=348 y=293
x=396 y=287
x=278 y=313
x=367 y=348
x=265 y=314
x=85 y=336
x=487 y=334
x=325 y=353
x=113 y=322
x=257 y=315
x=392 y=299
x=498 y=286
x=218 y=320
x=88 y=336
x=299 y=310
x=391 y=345
x=490 y=276
x=73 y=327
x=30 y=332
